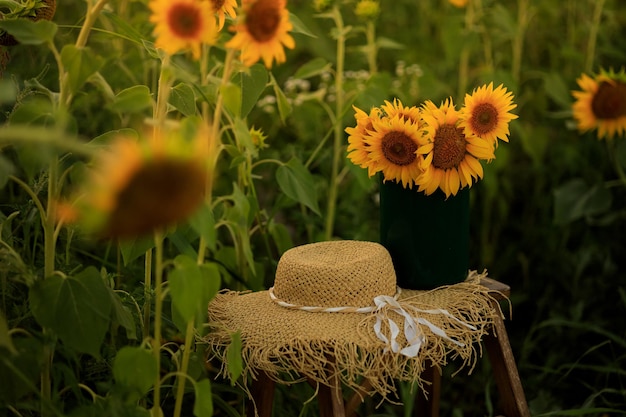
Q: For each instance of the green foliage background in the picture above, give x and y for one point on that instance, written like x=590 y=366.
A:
x=548 y=218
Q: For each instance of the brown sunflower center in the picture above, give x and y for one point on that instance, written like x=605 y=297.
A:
x=484 y=118
x=217 y=4
x=398 y=148
x=449 y=147
x=161 y=193
x=263 y=20
x=609 y=102
x=184 y=20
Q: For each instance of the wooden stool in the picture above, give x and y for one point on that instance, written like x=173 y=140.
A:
x=330 y=396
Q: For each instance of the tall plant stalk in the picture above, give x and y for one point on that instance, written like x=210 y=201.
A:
x=593 y=35
x=338 y=131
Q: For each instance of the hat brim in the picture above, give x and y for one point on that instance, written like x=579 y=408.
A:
x=289 y=344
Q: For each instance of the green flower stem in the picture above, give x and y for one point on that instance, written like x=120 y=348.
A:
x=593 y=35
x=147 y=289
x=372 y=48
x=465 y=52
x=158 y=312
x=523 y=16
x=214 y=137
x=180 y=389
x=338 y=131
x=163 y=94
x=90 y=18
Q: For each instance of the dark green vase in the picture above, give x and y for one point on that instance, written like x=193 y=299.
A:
x=427 y=236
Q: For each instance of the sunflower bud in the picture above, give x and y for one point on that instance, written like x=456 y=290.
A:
x=367 y=9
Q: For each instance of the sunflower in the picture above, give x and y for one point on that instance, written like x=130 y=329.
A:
x=601 y=104
x=262 y=32
x=449 y=158
x=411 y=114
x=358 y=149
x=392 y=145
x=137 y=187
x=183 y=24
x=223 y=8
x=486 y=113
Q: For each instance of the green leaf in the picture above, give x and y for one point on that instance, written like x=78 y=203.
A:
x=5 y=337
x=297 y=183
x=8 y=92
x=121 y=27
x=284 y=107
x=387 y=43
x=203 y=222
x=192 y=286
x=6 y=169
x=80 y=64
x=105 y=139
x=233 y=358
x=132 y=100
x=575 y=200
x=183 y=99
x=135 y=369
x=134 y=248
x=299 y=27
x=77 y=308
x=28 y=32
x=312 y=68
x=281 y=236
x=252 y=85
x=122 y=315
x=620 y=153
x=203 y=406
x=231 y=95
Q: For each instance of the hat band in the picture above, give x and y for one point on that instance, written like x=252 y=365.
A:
x=387 y=330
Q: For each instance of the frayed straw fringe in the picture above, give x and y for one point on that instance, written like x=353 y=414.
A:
x=291 y=346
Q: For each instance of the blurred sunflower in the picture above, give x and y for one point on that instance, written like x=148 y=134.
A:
x=449 y=158
x=601 y=104
x=392 y=145
x=458 y=3
x=486 y=113
x=138 y=187
x=182 y=25
x=358 y=148
x=262 y=32
x=223 y=8
x=396 y=108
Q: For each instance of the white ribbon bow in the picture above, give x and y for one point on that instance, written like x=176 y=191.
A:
x=414 y=335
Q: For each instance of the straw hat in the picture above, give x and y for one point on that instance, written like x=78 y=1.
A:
x=335 y=309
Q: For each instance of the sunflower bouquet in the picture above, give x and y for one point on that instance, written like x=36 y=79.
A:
x=432 y=147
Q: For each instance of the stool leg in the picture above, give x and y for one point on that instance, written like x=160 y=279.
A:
x=330 y=399
x=505 y=371
x=427 y=403
x=262 y=391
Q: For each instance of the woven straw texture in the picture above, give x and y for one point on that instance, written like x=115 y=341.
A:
x=290 y=344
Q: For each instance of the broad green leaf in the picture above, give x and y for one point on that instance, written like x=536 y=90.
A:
x=203 y=222
x=77 y=308
x=132 y=100
x=105 y=139
x=122 y=27
x=576 y=199
x=252 y=85
x=281 y=236
x=6 y=169
x=135 y=369
x=387 y=43
x=312 y=68
x=556 y=88
x=20 y=373
x=231 y=95
x=203 y=405
x=299 y=27
x=8 y=92
x=192 y=286
x=122 y=315
x=80 y=64
x=28 y=32
x=38 y=111
x=233 y=358
x=134 y=248
x=183 y=99
x=297 y=183
x=5 y=337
